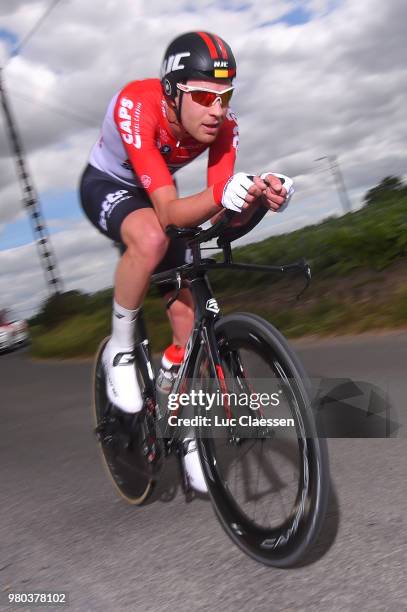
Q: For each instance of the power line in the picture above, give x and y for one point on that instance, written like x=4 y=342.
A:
x=30 y=201
x=35 y=27
x=18 y=49
x=81 y=118
x=339 y=181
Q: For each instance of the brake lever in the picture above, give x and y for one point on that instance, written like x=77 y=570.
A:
x=307 y=272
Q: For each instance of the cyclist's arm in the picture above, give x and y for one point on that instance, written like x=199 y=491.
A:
x=184 y=212
x=195 y=209
x=222 y=155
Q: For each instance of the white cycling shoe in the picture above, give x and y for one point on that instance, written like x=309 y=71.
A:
x=193 y=466
x=121 y=382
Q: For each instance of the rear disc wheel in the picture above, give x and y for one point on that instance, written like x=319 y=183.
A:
x=124 y=442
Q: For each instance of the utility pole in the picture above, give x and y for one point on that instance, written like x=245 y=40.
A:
x=339 y=182
x=30 y=201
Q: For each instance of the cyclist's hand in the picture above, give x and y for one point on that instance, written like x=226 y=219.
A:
x=246 y=215
x=277 y=190
x=242 y=218
x=238 y=192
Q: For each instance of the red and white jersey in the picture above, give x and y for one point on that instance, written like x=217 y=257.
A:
x=137 y=147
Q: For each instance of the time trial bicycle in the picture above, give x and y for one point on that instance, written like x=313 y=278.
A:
x=269 y=485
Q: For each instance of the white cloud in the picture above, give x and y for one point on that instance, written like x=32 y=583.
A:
x=86 y=262
x=334 y=85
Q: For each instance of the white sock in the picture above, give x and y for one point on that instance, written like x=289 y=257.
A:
x=123 y=325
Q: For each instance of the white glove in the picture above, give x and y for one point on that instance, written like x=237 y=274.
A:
x=288 y=184
x=235 y=191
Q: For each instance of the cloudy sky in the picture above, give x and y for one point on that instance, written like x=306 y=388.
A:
x=315 y=78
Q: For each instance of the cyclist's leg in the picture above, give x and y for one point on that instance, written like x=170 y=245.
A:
x=181 y=313
x=146 y=245
x=181 y=316
x=124 y=215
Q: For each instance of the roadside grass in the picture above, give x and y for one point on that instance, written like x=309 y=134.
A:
x=359 y=266
x=81 y=335
x=330 y=317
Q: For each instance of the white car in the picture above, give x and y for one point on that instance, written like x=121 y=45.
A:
x=6 y=338
x=12 y=333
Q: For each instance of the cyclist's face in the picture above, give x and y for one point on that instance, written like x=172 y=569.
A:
x=203 y=122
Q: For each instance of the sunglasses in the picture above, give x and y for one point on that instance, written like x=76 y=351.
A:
x=207 y=97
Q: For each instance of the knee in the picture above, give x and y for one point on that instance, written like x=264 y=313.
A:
x=149 y=243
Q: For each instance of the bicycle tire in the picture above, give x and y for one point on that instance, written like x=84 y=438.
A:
x=286 y=544
x=133 y=477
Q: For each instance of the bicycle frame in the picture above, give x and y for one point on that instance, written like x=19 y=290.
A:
x=216 y=346
x=207 y=310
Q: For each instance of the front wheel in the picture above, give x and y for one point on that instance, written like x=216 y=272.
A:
x=269 y=484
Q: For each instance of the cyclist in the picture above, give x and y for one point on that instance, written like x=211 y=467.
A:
x=151 y=129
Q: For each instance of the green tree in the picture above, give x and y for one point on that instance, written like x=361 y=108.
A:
x=60 y=307
x=388 y=186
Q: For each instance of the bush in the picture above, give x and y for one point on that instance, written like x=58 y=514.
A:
x=390 y=185
x=60 y=307
x=76 y=337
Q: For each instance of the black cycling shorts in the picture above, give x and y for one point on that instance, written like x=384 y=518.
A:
x=107 y=203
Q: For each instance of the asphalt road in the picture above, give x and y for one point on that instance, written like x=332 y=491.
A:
x=63 y=528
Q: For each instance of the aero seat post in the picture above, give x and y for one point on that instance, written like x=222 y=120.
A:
x=196 y=252
x=227 y=252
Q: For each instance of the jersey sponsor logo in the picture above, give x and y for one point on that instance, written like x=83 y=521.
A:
x=109 y=204
x=145 y=180
x=137 y=114
x=163 y=135
x=173 y=63
x=126 y=105
x=212 y=306
x=125 y=122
